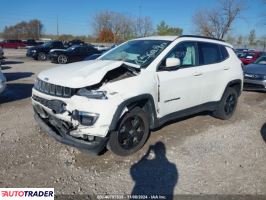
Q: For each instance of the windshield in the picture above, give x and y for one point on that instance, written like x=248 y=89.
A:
x=72 y=48
x=140 y=52
x=261 y=60
x=48 y=44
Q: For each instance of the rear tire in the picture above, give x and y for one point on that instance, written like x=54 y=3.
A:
x=227 y=105
x=131 y=134
x=42 y=56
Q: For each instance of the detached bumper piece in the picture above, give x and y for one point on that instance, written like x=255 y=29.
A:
x=60 y=131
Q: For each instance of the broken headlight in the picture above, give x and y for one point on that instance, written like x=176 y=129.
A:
x=92 y=94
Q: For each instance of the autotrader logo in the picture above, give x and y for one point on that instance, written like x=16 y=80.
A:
x=27 y=193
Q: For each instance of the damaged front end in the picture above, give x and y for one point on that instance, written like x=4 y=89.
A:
x=64 y=131
x=60 y=130
x=79 y=117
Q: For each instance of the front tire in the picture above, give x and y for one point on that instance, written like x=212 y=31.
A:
x=62 y=59
x=227 y=105
x=42 y=56
x=131 y=134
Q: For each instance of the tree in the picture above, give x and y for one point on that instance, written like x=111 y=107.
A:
x=117 y=23
x=218 y=22
x=65 y=37
x=24 y=30
x=164 y=29
x=239 y=40
x=252 y=38
x=230 y=39
x=143 y=26
x=121 y=25
x=262 y=42
x=106 y=35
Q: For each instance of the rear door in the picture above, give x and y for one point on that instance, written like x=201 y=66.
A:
x=214 y=65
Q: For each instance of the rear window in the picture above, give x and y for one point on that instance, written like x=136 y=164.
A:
x=209 y=53
x=224 y=52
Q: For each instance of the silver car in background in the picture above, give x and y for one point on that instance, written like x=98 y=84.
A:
x=255 y=75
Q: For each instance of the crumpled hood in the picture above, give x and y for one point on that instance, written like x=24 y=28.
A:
x=255 y=69
x=80 y=74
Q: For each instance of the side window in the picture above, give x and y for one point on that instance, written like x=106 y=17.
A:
x=57 y=44
x=209 y=53
x=224 y=52
x=91 y=49
x=83 y=50
x=186 y=52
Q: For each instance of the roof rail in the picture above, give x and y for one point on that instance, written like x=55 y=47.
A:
x=197 y=36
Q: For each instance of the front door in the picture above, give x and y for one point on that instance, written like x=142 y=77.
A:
x=180 y=88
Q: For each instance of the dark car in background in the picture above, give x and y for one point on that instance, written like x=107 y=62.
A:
x=72 y=54
x=93 y=56
x=15 y=44
x=32 y=43
x=41 y=52
x=74 y=42
x=248 y=57
x=255 y=75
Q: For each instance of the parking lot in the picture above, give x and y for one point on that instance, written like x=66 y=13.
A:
x=207 y=155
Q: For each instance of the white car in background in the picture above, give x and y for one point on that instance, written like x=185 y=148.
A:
x=2 y=81
x=101 y=47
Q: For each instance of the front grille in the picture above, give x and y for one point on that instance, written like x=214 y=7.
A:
x=254 y=76
x=56 y=106
x=54 y=90
x=252 y=85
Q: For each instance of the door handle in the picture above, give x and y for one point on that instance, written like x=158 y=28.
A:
x=197 y=74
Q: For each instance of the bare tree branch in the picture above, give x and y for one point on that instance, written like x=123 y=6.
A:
x=218 y=22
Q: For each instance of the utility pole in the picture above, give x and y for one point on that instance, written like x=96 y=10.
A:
x=38 y=30
x=57 y=31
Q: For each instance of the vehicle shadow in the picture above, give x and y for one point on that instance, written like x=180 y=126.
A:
x=12 y=62
x=154 y=174
x=5 y=67
x=263 y=132
x=16 y=91
x=12 y=76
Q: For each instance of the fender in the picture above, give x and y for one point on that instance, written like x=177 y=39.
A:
x=149 y=106
x=234 y=83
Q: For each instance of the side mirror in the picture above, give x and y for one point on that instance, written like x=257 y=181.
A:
x=172 y=62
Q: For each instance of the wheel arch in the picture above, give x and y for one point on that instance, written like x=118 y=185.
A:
x=144 y=101
x=236 y=84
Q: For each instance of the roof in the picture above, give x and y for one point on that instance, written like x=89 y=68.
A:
x=168 y=38
x=192 y=37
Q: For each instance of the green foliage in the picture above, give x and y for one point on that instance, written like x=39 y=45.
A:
x=164 y=29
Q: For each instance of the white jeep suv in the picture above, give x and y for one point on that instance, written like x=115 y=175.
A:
x=117 y=99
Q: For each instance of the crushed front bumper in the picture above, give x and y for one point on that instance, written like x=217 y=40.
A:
x=56 y=129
